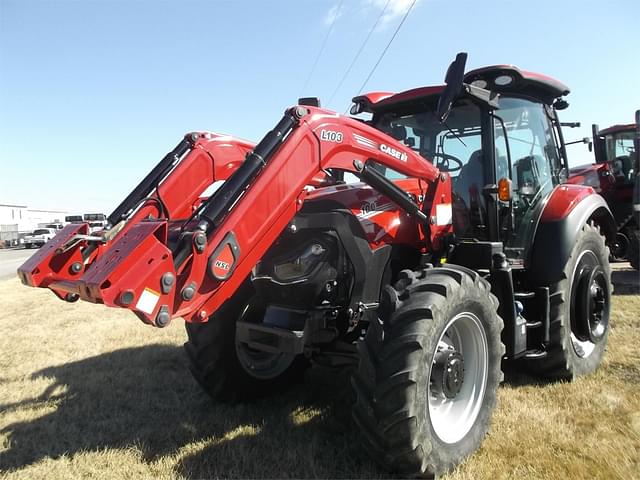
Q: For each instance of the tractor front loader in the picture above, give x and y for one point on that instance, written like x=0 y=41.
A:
x=458 y=248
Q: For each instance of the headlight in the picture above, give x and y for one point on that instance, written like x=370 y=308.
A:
x=300 y=266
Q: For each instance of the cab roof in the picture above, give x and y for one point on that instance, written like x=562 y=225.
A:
x=498 y=78
x=617 y=129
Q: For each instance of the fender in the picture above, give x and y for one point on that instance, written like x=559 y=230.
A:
x=569 y=207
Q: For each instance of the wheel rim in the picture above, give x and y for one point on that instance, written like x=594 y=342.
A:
x=257 y=363
x=458 y=377
x=589 y=304
x=620 y=246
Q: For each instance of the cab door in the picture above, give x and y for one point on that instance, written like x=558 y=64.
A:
x=526 y=152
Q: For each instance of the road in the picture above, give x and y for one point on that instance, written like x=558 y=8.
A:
x=11 y=259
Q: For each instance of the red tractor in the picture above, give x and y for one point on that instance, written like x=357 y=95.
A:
x=459 y=247
x=615 y=176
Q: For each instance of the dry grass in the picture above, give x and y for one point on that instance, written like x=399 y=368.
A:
x=91 y=392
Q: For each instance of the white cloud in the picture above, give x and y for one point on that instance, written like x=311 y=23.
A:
x=395 y=10
x=333 y=14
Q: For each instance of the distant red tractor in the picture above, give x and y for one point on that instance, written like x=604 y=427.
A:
x=459 y=248
x=615 y=176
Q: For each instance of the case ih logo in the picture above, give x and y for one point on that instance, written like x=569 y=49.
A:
x=393 y=152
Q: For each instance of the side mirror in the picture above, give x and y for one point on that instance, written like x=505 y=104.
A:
x=590 y=146
x=453 y=79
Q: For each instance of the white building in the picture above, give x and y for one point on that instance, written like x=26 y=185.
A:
x=12 y=214
x=16 y=219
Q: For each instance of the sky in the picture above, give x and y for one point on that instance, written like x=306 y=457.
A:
x=94 y=93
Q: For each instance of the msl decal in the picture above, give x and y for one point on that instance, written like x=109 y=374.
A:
x=223 y=260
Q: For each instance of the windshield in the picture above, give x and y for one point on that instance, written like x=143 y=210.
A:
x=619 y=145
x=41 y=231
x=454 y=147
x=73 y=218
x=449 y=147
x=620 y=152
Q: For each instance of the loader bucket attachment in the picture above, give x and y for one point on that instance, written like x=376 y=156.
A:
x=168 y=247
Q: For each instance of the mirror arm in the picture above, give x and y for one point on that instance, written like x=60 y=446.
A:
x=585 y=140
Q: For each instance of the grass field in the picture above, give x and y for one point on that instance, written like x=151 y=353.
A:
x=90 y=392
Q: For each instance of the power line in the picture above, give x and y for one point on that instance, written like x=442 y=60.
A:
x=388 y=45
x=355 y=58
x=324 y=43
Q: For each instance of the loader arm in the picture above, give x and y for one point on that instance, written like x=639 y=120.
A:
x=169 y=251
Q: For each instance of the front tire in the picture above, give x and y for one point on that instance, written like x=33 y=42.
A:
x=580 y=304
x=429 y=370
x=229 y=370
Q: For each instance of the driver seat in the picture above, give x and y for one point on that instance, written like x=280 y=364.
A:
x=471 y=178
x=469 y=208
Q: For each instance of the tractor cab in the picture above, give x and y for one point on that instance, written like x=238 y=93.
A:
x=500 y=143
x=615 y=177
x=615 y=146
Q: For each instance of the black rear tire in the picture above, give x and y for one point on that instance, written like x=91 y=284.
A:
x=223 y=369
x=572 y=351
x=406 y=406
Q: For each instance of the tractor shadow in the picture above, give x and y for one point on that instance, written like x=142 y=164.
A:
x=145 y=398
x=312 y=438
x=517 y=375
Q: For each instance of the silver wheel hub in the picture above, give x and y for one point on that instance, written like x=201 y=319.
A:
x=260 y=364
x=458 y=377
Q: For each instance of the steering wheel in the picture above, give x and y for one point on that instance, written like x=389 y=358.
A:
x=443 y=162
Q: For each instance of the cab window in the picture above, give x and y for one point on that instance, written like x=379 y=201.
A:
x=620 y=152
x=455 y=148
